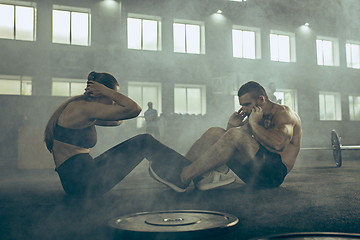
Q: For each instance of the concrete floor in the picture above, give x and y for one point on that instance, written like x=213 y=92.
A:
x=316 y=197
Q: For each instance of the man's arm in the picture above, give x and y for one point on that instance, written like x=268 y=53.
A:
x=275 y=138
x=237 y=119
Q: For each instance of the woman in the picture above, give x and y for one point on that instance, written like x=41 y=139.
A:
x=70 y=133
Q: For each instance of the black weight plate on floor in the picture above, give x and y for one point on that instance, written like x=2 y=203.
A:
x=335 y=143
x=173 y=224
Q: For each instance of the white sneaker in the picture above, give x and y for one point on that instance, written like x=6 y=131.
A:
x=174 y=183
x=223 y=169
x=215 y=179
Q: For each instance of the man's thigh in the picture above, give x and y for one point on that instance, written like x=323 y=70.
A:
x=242 y=162
x=264 y=170
x=245 y=171
x=246 y=146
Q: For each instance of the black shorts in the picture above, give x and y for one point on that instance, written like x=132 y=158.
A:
x=266 y=170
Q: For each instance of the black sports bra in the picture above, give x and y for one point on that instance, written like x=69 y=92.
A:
x=85 y=137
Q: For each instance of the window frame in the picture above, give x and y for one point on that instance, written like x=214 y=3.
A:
x=335 y=49
x=145 y=17
x=71 y=10
x=257 y=32
x=237 y=105
x=202 y=96
x=350 y=64
x=21 y=79
x=140 y=120
x=337 y=110
x=294 y=95
x=149 y=84
x=292 y=45
x=352 y=117
x=22 y=4
x=202 y=34
x=66 y=80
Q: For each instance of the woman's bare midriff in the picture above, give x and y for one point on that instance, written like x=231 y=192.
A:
x=63 y=151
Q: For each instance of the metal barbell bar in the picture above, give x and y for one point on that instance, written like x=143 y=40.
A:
x=336 y=147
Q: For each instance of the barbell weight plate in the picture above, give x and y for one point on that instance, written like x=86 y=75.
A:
x=173 y=221
x=173 y=224
x=336 y=147
x=335 y=142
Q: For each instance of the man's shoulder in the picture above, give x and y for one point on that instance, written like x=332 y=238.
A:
x=284 y=113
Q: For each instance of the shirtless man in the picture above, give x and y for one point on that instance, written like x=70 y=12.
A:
x=260 y=144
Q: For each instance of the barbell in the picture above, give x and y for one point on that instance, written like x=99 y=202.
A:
x=336 y=147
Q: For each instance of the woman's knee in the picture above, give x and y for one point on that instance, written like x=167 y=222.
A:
x=145 y=136
x=144 y=139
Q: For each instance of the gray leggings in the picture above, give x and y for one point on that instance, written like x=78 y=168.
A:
x=83 y=175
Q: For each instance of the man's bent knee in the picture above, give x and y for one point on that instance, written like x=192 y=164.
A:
x=216 y=132
x=240 y=138
x=236 y=134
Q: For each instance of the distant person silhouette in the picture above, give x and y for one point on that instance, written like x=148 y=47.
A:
x=151 y=118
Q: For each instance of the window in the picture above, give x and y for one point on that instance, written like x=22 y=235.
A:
x=190 y=99
x=71 y=25
x=189 y=37
x=15 y=85
x=354 y=107
x=330 y=106
x=67 y=87
x=246 y=42
x=142 y=93
x=236 y=103
x=287 y=97
x=327 y=51
x=353 y=55
x=18 y=21
x=144 y=32
x=282 y=47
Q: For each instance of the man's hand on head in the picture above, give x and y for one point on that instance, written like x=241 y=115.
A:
x=256 y=115
x=238 y=119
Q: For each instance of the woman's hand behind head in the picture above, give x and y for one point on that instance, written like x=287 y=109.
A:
x=95 y=89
